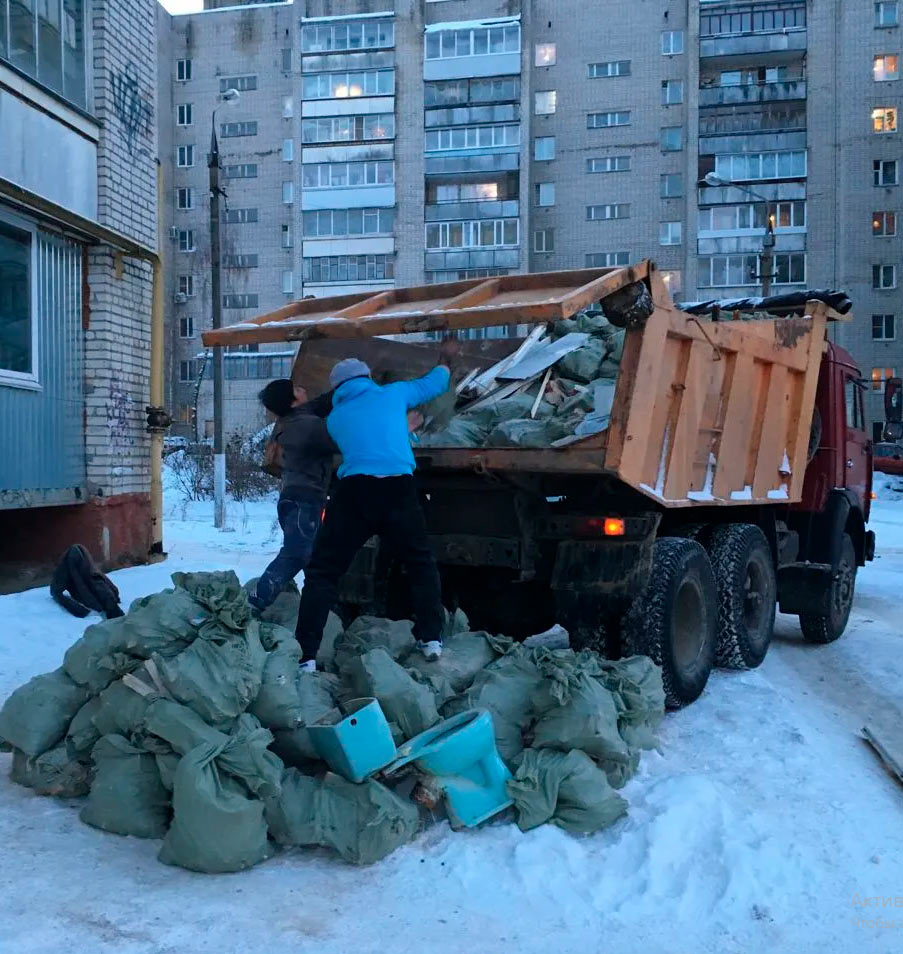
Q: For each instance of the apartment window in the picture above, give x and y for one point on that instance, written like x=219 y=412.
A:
x=461 y=92
x=471 y=137
x=476 y=41
x=186 y=285
x=18 y=324
x=183 y=114
x=886 y=14
x=884 y=172
x=348 y=128
x=544 y=240
x=884 y=223
x=771 y=18
x=672 y=92
x=612 y=68
x=737 y=218
x=288 y=192
x=884 y=276
x=347 y=35
x=670 y=233
x=349 y=85
x=286 y=236
x=183 y=70
x=246 y=260
x=288 y=150
x=334 y=175
x=608 y=164
x=186 y=327
x=244 y=170
x=186 y=240
x=620 y=210
x=729 y=271
x=460 y=275
x=336 y=223
x=349 y=268
x=761 y=165
x=545 y=193
x=607 y=259
x=245 y=300
x=185 y=198
x=545 y=102
x=234 y=130
x=672 y=42
x=185 y=157
x=288 y=107
x=244 y=84
x=188 y=371
x=884 y=120
x=286 y=61
x=463 y=192
x=886 y=67
x=671 y=185
x=673 y=279
x=544 y=148
x=240 y=216
x=546 y=54
x=883 y=328
x=603 y=120
x=288 y=282
x=486 y=233
x=880 y=376
x=790 y=269
x=672 y=138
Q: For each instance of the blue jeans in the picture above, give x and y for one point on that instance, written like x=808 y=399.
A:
x=299 y=518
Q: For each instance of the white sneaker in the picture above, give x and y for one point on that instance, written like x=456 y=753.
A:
x=431 y=650
x=309 y=665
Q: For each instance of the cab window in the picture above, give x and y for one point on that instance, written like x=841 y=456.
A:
x=855 y=413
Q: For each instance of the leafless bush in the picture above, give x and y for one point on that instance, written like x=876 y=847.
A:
x=245 y=477
x=192 y=471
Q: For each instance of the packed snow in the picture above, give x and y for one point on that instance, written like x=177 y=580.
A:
x=765 y=824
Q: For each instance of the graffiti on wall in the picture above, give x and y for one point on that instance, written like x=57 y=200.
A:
x=118 y=408
x=133 y=111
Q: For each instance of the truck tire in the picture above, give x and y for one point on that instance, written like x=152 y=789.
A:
x=747 y=594
x=675 y=621
x=825 y=629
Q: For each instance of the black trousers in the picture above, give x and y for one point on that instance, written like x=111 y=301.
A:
x=361 y=507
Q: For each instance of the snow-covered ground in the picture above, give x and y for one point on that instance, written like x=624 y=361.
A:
x=766 y=824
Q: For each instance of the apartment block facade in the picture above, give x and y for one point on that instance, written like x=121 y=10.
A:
x=377 y=143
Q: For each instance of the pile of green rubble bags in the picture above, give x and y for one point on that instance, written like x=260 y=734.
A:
x=185 y=720
x=576 y=397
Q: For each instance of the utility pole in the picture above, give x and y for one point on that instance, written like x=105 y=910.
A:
x=766 y=260
x=219 y=445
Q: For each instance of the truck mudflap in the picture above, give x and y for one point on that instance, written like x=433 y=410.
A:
x=869 y=545
x=805 y=588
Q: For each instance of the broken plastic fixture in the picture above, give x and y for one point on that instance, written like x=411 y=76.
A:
x=359 y=744
x=460 y=756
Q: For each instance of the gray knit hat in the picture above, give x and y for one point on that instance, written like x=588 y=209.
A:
x=347 y=369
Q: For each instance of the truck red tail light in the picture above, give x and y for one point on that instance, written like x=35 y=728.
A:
x=607 y=526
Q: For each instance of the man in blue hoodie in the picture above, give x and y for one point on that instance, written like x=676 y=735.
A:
x=375 y=495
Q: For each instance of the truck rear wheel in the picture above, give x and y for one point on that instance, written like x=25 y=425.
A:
x=825 y=629
x=675 y=621
x=747 y=594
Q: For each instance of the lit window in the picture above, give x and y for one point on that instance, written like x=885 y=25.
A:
x=883 y=328
x=545 y=102
x=544 y=240
x=884 y=223
x=886 y=14
x=880 y=376
x=544 y=148
x=884 y=276
x=673 y=280
x=884 y=119
x=672 y=42
x=545 y=193
x=886 y=67
x=545 y=54
x=183 y=70
x=670 y=233
x=672 y=92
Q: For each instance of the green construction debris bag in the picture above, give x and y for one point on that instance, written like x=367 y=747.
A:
x=463 y=656
x=219 y=675
x=317 y=692
x=505 y=688
x=463 y=430
x=273 y=636
x=120 y=711
x=277 y=703
x=55 y=772
x=636 y=685
x=372 y=632
x=167 y=763
x=406 y=702
x=243 y=752
x=220 y=593
x=575 y=710
x=83 y=733
x=127 y=796
x=36 y=716
x=363 y=823
x=583 y=364
x=216 y=826
x=526 y=432
x=615 y=346
x=565 y=788
x=332 y=632
x=163 y=624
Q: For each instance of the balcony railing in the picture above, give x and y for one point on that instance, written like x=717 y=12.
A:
x=751 y=93
x=482 y=209
x=752 y=121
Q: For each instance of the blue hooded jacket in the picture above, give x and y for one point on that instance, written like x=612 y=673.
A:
x=369 y=422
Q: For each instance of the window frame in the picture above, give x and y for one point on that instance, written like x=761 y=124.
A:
x=606 y=259
x=27 y=380
x=544 y=46
x=671 y=34
x=878 y=167
x=883 y=319
x=547 y=246
x=664 y=179
x=663 y=143
x=191 y=246
x=880 y=116
x=880 y=6
x=288 y=150
x=887 y=77
x=546 y=188
x=880 y=222
x=183 y=70
x=607 y=160
x=609 y=69
x=670 y=86
x=553 y=102
x=184 y=115
x=667 y=230
x=186 y=323
x=543 y=139
x=878 y=272
x=609 y=113
x=188 y=151
x=185 y=193
x=617 y=206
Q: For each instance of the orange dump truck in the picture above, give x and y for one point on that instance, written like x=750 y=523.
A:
x=733 y=475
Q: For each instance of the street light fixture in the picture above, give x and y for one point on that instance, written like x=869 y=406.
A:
x=228 y=98
x=766 y=258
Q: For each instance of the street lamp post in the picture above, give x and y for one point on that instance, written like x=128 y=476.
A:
x=766 y=256
x=219 y=448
